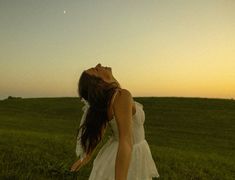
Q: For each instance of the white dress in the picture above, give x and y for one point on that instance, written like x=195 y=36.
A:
x=142 y=166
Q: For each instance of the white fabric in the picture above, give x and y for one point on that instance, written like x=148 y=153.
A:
x=142 y=166
x=79 y=150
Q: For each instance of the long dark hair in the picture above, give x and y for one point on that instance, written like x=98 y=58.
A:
x=98 y=93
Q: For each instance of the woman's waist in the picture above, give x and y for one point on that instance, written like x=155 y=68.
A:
x=135 y=141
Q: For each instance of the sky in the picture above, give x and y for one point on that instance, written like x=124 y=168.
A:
x=156 y=48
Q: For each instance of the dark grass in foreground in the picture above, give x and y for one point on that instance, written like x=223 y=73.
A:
x=190 y=138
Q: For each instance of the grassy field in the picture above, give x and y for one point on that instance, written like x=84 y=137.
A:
x=190 y=138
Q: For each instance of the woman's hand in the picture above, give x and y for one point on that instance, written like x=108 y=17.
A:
x=76 y=166
x=79 y=163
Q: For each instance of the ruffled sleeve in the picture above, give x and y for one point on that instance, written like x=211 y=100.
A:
x=79 y=150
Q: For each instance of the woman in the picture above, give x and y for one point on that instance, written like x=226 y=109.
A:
x=126 y=155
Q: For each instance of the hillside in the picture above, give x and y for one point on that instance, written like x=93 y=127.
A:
x=190 y=138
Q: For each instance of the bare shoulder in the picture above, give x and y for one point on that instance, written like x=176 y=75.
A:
x=123 y=103
x=123 y=96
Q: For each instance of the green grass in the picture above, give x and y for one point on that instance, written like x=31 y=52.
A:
x=190 y=138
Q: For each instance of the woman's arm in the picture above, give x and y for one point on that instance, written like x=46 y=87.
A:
x=123 y=113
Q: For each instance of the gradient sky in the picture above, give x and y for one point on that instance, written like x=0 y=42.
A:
x=155 y=47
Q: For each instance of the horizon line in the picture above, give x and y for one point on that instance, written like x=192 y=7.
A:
x=48 y=97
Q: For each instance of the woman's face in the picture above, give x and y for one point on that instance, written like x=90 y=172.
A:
x=100 y=71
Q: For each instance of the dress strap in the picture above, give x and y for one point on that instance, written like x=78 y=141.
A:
x=115 y=93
